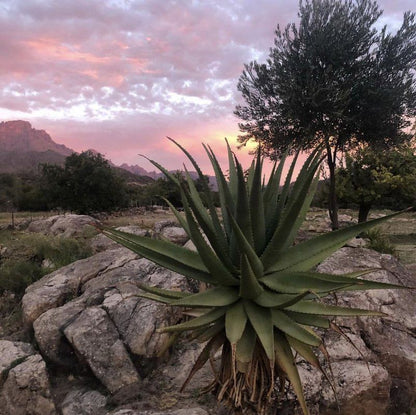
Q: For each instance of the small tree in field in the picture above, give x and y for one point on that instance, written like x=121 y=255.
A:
x=86 y=183
x=377 y=177
x=333 y=81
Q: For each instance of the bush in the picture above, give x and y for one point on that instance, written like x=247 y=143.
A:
x=23 y=263
x=380 y=242
x=16 y=276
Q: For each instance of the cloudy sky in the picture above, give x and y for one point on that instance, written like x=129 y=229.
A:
x=120 y=75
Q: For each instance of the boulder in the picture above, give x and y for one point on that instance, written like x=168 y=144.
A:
x=11 y=353
x=26 y=389
x=64 y=284
x=171 y=231
x=392 y=339
x=89 y=314
x=96 y=339
x=64 y=225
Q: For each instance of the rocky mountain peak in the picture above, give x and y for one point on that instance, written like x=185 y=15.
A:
x=19 y=136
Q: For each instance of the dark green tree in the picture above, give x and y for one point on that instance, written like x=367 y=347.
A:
x=87 y=183
x=332 y=81
x=371 y=178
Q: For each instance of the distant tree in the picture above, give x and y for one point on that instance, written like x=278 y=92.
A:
x=86 y=183
x=10 y=188
x=334 y=81
x=380 y=178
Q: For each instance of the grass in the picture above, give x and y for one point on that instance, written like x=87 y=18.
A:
x=23 y=258
x=6 y=217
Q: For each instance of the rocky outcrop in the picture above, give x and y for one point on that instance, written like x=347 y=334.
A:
x=63 y=225
x=89 y=314
x=96 y=340
x=392 y=338
x=24 y=381
x=21 y=137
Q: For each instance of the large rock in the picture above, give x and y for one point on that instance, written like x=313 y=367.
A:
x=26 y=389
x=63 y=225
x=171 y=231
x=11 y=353
x=64 y=284
x=392 y=338
x=89 y=313
x=97 y=341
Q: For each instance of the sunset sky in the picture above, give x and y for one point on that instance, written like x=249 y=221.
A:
x=120 y=75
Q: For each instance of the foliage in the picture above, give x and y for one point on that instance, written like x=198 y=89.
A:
x=9 y=190
x=263 y=300
x=160 y=189
x=333 y=80
x=373 y=177
x=380 y=242
x=22 y=264
x=85 y=184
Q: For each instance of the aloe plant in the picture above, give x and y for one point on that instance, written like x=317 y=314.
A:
x=264 y=300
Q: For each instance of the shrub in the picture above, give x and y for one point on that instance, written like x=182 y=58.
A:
x=380 y=242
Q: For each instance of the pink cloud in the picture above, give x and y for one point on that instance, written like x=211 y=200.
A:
x=120 y=76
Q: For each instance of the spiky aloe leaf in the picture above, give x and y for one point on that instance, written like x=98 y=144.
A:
x=285 y=324
x=261 y=320
x=246 y=248
x=272 y=299
x=235 y=322
x=293 y=282
x=214 y=297
x=162 y=292
x=306 y=255
x=285 y=360
x=204 y=320
x=164 y=253
x=313 y=307
x=245 y=345
x=249 y=285
x=257 y=208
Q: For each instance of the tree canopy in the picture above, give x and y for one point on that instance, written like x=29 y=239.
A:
x=86 y=183
x=334 y=81
x=371 y=177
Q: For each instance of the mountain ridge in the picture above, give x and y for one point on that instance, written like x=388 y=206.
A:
x=23 y=148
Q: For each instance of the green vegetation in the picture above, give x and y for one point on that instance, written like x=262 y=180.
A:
x=333 y=80
x=86 y=184
x=28 y=257
x=263 y=300
x=378 y=178
x=380 y=242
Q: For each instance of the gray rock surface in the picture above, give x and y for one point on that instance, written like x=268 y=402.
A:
x=26 y=389
x=391 y=339
x=172 y=231
x=175 y=234
x=64 y=225
x=11 y=353
x=96 y=339
x=103 y=322
x=84 y=402
x=187 y=411
x=64 y=284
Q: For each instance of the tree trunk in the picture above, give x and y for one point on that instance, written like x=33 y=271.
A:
x=363 y=212
x=332 y=197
